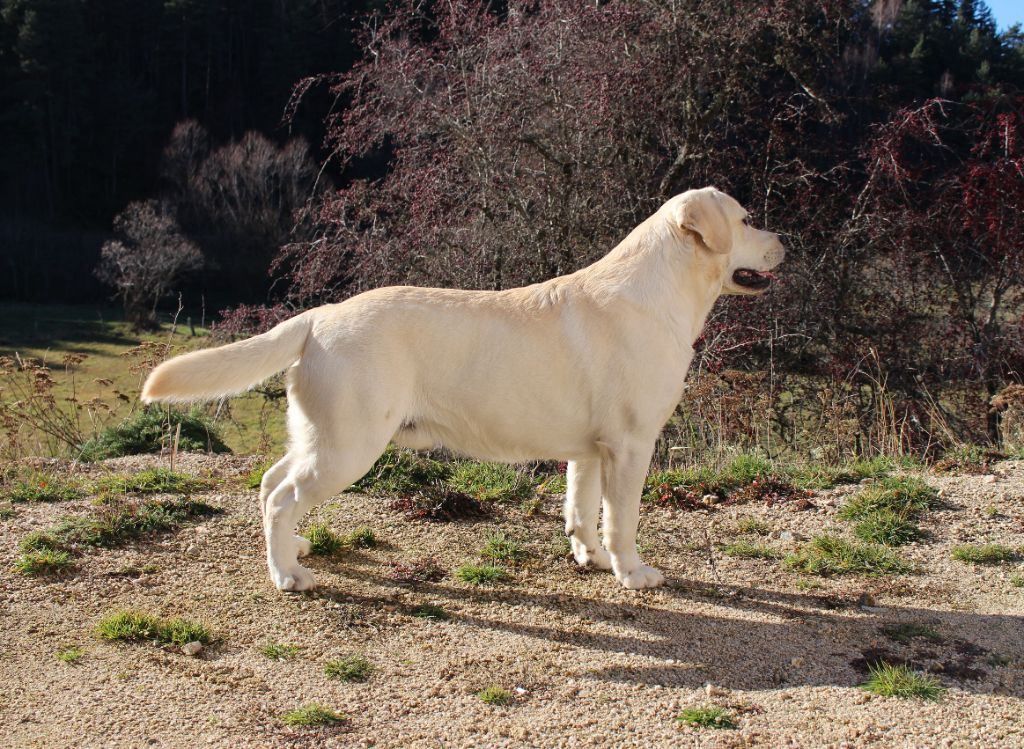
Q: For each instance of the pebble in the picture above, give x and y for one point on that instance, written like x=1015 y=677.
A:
x=711 y=499
x=989 y=479
x=712 y=691
x=193 y=648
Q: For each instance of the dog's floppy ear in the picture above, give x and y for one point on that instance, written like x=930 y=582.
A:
x=701 y=213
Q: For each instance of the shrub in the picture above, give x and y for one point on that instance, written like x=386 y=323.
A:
x=832 y=555
x=440 y=503
x=152 y=430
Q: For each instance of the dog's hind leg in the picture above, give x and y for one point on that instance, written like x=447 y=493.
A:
x=623 y=470
x=582 y=504
x=271 y=479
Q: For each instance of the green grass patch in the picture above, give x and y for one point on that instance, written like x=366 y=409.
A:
x=1017 y=581
x=888 y=680
x=482 y=574
x=69 y=655
x=151 y=430
x=361 y=538
x=887 y=528
x=490 y=482
x=555 y=484
x=984 y=554
x=41 y=487
x=753 y=526
x=314 y=715
x=747 y=550
x=121 y=521
x=254 y=479
x=349 y=668
x=495 y=695
x=906 y=496
x=43 y=562
x=908 y=631
x=150 y=481
x=39 y=541
x=817 y=477
x=323 y=541
x=707 y=716
x=831 y=555
x=277 y=651
x=501 y=548
x=135 y=626
x=429 y=611
x=400 y=471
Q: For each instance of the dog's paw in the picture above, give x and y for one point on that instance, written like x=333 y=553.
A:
x=295 y=579
x=303 y=546
x=590 y=556
x=640 y=578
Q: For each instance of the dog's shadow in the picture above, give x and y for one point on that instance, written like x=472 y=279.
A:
x=740 y=637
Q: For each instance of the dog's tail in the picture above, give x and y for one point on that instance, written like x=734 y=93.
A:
x=227 y=370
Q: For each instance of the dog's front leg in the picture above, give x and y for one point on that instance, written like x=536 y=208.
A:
x=623 y=470
x=582 y=505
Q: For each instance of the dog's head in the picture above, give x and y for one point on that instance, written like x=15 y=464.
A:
x=725 y=241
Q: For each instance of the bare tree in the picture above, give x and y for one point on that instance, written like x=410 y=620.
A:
x=147 y=257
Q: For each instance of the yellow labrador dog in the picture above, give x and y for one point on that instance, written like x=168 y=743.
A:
x=585 y=368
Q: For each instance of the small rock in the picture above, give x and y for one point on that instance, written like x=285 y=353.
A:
x=193 y=648
x=520 y=690
x=710 y=499
x=865 y=482
x=712 y=691
x=803 y=504
x=989 y=479
x=790 y=537
x=797 y=662
x=866 y=600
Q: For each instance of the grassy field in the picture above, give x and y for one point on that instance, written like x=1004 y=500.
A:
x=49 y=332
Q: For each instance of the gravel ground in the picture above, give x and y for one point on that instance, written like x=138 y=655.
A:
x=590 y=664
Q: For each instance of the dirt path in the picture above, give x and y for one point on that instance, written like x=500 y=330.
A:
x=589 y=663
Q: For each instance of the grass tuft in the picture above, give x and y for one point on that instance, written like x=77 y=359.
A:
x=707 y=716
x=44 y=562
x=314 y=715
x=150 y=481
x=361 y=538
x=135 y=626
x=43 y=487
x=254 y=479
x=70 y=655
x=1017 y=581
x=280 y=651
x=484 y=574
x=905 y=496
x=501 y=548
x=985 y=554
x=400 y=471
x=887 y=528
x=323 y=541
x=490 y=482
x=831 y=555
x=889 y=680
x=495 y=695
x=906 y=632
x=430 y=611
x=349 y=668
x=753 y=526
x=747 y=550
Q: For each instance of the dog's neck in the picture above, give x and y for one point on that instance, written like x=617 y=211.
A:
x=660 y=271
